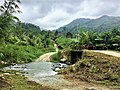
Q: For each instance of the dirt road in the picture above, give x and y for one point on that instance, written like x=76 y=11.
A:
x=46 y=57
x=72 y=84
x=112 y=53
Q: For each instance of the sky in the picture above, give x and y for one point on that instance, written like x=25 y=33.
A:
x=52 y=14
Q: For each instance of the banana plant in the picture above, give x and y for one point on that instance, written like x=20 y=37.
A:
x=83 y=37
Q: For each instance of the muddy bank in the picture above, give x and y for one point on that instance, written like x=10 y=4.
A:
x=95 y=67
x=13 y=80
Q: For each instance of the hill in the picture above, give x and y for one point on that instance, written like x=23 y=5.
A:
x=101 y=24
x=29 y=26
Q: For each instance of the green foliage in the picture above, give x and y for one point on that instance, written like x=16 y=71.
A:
x=10 y=6
x=101 y=33
x=68 y=43
x=7 y=20
x=16 y=53
x=51 y=48
x=83 y=37
x=21 y=42
x=63 y=42
x=25 y=45
x=55 y=58
x=29 y=26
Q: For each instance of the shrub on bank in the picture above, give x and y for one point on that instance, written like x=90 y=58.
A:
x=56 y=57
x=16 y=54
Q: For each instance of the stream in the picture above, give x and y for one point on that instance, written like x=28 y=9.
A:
x=44 y=73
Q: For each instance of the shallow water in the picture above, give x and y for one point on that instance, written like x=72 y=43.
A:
x=41 y=72
x=39 y=69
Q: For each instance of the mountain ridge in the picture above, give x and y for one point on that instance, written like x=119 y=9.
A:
x=101 y=24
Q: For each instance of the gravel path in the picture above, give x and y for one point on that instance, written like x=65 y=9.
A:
x=47 y=57
x=58 y=82
x=112 y=53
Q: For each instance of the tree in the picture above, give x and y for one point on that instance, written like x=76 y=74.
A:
x=56 y=33
x=7 y=20
x=69 y=35
x=92 y=36
x=10 y=6
x=83 y=37
x=115 y=32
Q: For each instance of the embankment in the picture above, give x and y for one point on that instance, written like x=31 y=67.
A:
x=95 y=67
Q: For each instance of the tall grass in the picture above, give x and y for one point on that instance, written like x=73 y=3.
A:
x=15 y=54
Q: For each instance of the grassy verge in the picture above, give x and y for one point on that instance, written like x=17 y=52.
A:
x=96 y=67
x=55 y=58
x=11 y=53
x=11 y=80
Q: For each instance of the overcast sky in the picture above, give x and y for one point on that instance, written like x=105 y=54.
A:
x=51 y=14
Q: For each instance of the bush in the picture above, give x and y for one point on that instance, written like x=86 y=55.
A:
x=51 y=48
x=56 y=57
x=63 y=42
x=15 y=53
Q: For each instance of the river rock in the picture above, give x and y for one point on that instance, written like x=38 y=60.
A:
x=90 y=88
x=63 y=60
x=7 y=74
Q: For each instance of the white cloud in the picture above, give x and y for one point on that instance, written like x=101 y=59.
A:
x=55 y=18
x=1 y=2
